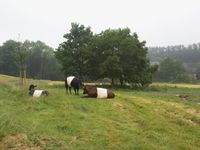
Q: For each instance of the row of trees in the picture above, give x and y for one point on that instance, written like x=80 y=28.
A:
x=186 y=54
x=176 y=63
x=114 y=54
x=172 y=70
x=36 y=58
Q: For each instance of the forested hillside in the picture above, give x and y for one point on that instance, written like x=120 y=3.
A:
x=187 y=54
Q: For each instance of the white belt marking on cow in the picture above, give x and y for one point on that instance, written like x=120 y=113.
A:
x=102 y=93
x=37 y=93
x=69 y=80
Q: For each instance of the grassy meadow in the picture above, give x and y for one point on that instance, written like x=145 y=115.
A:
x=152 y=119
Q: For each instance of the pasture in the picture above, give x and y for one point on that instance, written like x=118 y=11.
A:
x=152 y=119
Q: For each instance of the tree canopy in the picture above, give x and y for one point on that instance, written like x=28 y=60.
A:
x=114 y=53
x=187 y=55
x=8 y=63
x=171 y=70
x=37 y=57
x=72 y=54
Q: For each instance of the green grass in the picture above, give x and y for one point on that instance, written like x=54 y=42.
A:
x=134 y=120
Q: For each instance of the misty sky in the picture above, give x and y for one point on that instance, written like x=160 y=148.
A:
x=159 y=22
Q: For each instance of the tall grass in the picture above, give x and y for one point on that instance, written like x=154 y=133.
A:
x=133 y=120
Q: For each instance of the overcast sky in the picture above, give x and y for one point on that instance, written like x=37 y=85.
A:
x=159 y=22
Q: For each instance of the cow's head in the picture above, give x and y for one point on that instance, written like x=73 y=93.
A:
x=32 y=87
x=84 y=90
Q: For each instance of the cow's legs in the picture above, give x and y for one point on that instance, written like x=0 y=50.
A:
x=78 y=91
x=70 y=90
x=66 y=86
x=66 y=90
x=75 y=91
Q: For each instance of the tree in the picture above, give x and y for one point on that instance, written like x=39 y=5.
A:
x=72 y=53
x=115 y=54
x=171 y=70
x=188 y=55
x=198 y=71
x=111 y=68
x=42 y=63
x=108 y=53
x=36 y=57
x=125 y=57
x=21 y=59
x=8 y=63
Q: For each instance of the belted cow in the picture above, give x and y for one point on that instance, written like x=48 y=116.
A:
x=96 y=92
x=74 y=82
x=37 y=93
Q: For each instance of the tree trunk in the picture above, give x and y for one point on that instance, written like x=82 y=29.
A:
x=112 y=82
x=121 y=81
x=20 y=77
x=24 y=76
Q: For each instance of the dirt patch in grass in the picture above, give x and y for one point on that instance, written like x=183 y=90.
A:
x=73 y=139
x=141 y=100
x=49 y=141
x=189 y=121
x=17 y=138
x=176 y=105
x=194 y=112
x=119 y=105
x=182 y=107
x=16 y=142
x=20 y=142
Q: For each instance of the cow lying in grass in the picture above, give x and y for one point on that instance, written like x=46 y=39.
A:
x=74 y=82
x=37 y=93
x=96 y=92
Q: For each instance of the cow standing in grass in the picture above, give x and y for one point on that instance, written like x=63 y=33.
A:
x=96 y=92
x=74 y=82
x=37 y=93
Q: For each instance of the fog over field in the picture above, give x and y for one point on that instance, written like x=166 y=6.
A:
x=159 y=22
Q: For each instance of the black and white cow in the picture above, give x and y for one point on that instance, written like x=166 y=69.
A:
x=74 y=82
x=37 y=93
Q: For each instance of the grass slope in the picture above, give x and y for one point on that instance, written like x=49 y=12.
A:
x=135 y=120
